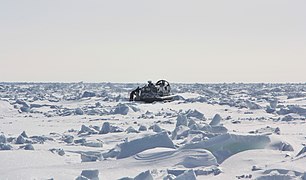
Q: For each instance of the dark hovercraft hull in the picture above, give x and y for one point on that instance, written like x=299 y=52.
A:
x=156 y=99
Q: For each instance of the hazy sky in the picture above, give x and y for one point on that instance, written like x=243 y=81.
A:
x=134 y=41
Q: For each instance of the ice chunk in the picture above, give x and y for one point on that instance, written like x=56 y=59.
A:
x=214 y=129
x=82 y=178
x=156 y=128
x=303 y=150
x=60 y=152
x=29 y=147
x=24 y=134
x=2 y=138
x=142 y=128
x=187 y=175
x=79 y=111
x=181 y=120
x=144 y=176
x=91 y=157
x=191 y=123
x=91 y=174
x=130 y=129
x=116 y=129
x=216 y=120
x=169 y=177
x=252 y=105
x=68 y=138
x=5 y=147
x=88 y=94
x=20 y=140
x=25 y=109
x=80 y=141
x=195 y=113
x=106 y=128
x=277 y=131
x=93 y=144
x=180 y=132
x=287 y=118
x=86 y=129
x=122 y=109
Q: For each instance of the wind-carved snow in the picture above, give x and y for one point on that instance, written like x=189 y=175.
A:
x=133 y=147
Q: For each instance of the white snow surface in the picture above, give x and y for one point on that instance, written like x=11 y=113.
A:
x=213 y=131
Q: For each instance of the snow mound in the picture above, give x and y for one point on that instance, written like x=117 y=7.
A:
x=281 y=145
x=5 y=107
x=199 y=99
x=276 y=177
x=187 y=158
x=226 y=145
x=138 y=145
x=282 y=174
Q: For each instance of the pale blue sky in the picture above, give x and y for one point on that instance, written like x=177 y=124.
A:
x=134 y=41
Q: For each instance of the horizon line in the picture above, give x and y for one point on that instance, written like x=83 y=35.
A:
x=127 y=82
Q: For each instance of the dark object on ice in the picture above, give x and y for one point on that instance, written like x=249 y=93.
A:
x=160 y=91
